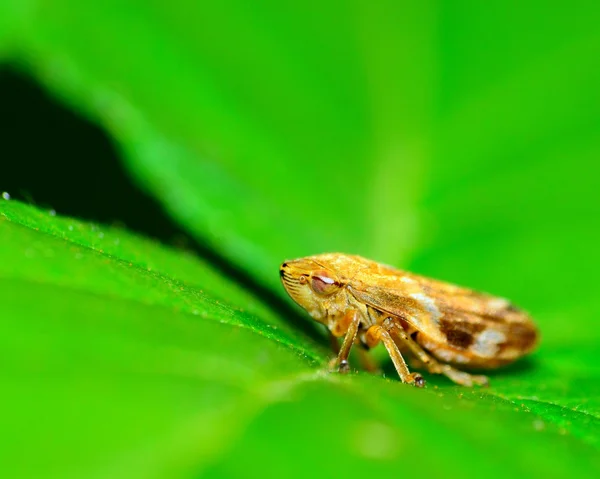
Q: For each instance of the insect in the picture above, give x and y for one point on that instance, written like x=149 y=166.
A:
x=438 y=324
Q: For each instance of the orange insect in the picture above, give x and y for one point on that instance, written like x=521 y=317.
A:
x=435 y=322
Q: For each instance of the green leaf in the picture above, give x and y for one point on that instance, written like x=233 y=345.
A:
x=453 y=139
x=131 y=268
x=285 y=152
x=110 y=341
x=116 y=362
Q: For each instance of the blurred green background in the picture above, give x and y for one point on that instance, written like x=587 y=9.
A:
x=161 y=159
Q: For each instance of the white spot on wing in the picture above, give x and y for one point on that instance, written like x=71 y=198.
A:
x=511 y=353
x=429 y=305
x=461 y=358
x=450 y=356
x=498 y=303
x=487 y=343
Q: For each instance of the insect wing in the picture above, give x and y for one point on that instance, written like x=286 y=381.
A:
x=482 y=325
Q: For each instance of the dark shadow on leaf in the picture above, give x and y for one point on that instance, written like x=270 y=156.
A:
x=523 y=366
x=57 y=159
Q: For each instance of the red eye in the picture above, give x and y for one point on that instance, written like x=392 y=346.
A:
x=323 y=284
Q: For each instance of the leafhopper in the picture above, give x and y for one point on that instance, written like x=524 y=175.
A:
x=439 y=325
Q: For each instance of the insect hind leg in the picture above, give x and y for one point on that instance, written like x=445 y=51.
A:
x=432 y=365
x=377 y=333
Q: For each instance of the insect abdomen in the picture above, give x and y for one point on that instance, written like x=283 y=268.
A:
x=481 y=344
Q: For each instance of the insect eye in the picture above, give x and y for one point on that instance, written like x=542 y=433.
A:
x=323 y=284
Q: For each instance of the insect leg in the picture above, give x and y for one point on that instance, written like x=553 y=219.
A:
x=347 y=324
x=433 y=366
x=377 y=333
x=366 y=360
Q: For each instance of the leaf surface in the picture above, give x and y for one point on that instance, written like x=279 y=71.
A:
x=456 y=140
x=118 y=371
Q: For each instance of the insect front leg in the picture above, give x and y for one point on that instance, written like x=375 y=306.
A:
x=377 y=333
x=346 y=326
x=433 y=366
